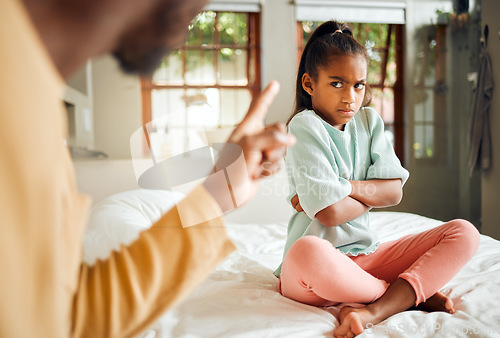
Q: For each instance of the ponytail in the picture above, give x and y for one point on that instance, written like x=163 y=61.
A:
x=330 y=38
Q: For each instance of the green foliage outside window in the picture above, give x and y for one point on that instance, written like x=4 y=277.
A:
x=224 y=32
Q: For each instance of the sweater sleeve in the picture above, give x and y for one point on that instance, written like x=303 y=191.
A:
x=313 y=168
x=385 y=163
x=123 y=295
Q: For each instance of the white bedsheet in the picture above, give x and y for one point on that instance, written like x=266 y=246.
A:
x=240 y=298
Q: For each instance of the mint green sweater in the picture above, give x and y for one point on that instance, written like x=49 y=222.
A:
x=319 y=166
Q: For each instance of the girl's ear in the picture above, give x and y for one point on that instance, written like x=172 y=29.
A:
x=307 y=84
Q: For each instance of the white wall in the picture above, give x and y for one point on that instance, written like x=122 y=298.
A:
x=78 y=94
x=117 y=107
x=279 y=55
x=491 y=179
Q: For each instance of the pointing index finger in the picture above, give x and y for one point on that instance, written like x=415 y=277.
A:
x=259 y=108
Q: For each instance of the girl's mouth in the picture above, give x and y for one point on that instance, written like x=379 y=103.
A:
x=345 y=112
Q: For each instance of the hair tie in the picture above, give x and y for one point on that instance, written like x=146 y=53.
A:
x=337 y=31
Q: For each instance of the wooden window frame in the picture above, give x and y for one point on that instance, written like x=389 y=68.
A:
x=253 y=55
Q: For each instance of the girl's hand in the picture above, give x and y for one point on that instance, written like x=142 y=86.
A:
x=296 y=204
x=378 y=193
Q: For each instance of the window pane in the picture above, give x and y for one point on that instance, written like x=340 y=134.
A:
x=199 y=112
x=201 y=31
x=170 y=70
x=232 y=28
x=425 y=61
x=429 y=141
x=424 y=106
x=233 y=67
x=308 y=28
x=391 y=62
x=429 y=106
x=419 y=144
x=168 y=103
x=234 y=105
x=375 y=65
x=424 y=141
x=199 y=67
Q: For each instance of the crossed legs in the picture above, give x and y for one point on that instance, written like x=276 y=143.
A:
x=401 y=273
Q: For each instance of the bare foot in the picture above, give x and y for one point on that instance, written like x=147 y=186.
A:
x=437 y=302
x=353 y=321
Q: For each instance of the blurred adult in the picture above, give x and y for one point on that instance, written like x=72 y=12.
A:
x=45 y=289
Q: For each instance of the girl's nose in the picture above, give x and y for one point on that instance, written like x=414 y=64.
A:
x=349 y=97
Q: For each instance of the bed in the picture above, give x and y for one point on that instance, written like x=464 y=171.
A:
x=240 y=298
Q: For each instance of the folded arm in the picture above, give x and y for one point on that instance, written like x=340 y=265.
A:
x=378 y=193
x=364 y=196
x=342 y=212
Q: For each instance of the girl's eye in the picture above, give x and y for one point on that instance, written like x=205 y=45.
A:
x=336 y=84
x=359 y=85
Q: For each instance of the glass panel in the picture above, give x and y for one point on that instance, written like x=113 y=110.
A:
x=200 y=67
x=425 y=57
x=424 y=141
x=170 y=70
x=201 y=31
x=233 y=67
x=375 y=65
x=419 y=144
x=200 y=113
x=429 y=106
x=420 y=105
x=390 y=78
x=174 y=141
x=429 y=141
x=308 y=28
x=232 y=28
x=169 y=104
x=234 y=105
x=424 y=105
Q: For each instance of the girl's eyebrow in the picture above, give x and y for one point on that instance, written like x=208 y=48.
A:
x=344 y=80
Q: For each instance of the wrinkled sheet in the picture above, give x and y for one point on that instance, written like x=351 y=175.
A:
x=240 y=298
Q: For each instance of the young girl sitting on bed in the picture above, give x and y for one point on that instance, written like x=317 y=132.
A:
x=340 y=168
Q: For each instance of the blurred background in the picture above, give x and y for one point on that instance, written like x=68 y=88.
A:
x=423 y=74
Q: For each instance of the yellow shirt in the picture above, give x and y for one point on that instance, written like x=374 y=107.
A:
x=45 y=289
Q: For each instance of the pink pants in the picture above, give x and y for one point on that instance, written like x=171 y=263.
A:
x=316 y=273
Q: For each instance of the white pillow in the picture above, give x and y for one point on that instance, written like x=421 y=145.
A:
x=120 y=218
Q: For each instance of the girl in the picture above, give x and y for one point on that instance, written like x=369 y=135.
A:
x=340 y=168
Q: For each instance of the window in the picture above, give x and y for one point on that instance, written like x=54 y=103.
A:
x=430 y=90
x=385 y=71
x=206 y=85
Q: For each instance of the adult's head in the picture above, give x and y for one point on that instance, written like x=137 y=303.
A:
x=137 y=32
x=331 y=39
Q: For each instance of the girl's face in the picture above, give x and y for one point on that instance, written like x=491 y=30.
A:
x=339 y=90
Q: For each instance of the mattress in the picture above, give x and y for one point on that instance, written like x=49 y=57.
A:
x=240 y=298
